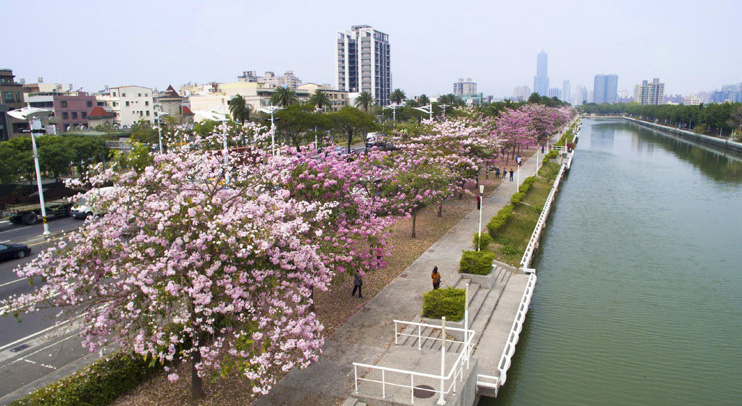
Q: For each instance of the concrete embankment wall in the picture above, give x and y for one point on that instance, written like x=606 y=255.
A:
x=691 y=136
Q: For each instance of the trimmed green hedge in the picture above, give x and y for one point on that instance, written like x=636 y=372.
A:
x=551 y=155
x=517 y=198
x=476 y=262
x=526 y=185
x=500 y=220
x=486 y=241
x=97 y=384
x=448 y=302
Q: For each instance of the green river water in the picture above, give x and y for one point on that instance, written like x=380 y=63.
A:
x=639 y=296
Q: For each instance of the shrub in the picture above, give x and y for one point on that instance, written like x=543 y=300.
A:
x=509 y=250
x=552 y=155
x=98 y=384
x=448 y=302
x=484 y=243
x=476 y=262
x=500 y=220
x=517 y=197
x=527 y=183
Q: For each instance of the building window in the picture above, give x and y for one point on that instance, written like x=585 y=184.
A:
x=127 y=104
x=8 y=97
x=90 y=104
x=17 y=97
x=65 y=116
x=146 y=103
x=114 y=94
x=84 y=114
x=123 y=95
x=74 y=115
x=147 y=113
x=64 y=103
x=139 y=95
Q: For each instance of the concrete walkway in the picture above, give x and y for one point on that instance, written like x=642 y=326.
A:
x=369 y=334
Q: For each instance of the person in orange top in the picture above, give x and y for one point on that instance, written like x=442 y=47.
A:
x=436 y=278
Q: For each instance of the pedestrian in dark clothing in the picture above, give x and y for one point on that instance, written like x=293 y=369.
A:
x=357 y=285
x=379 y=254
x=511 y=174
x=542 y=148
x=436 y=278
x=497 y=173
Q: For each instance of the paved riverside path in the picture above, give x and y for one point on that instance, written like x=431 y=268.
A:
x=369 y=333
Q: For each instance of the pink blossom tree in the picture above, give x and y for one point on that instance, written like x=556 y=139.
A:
x=187 y=265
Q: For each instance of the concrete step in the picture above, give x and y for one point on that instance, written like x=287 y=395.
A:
x=488 y=308
x=353 y=402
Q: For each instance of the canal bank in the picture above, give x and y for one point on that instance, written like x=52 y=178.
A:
x=723 y=143
x=637 y=300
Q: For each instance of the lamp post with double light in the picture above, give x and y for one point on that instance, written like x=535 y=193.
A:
x=271 y=110
x=481 y=206
x=34 y=116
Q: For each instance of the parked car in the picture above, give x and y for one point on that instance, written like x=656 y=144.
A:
x=10 y=251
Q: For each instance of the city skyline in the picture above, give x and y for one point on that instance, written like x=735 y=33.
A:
x=176 y=43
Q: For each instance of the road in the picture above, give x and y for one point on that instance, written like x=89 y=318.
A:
x=34 y=352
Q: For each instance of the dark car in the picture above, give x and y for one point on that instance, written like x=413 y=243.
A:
x=9 y=251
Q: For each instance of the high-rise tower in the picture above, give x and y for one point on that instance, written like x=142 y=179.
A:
x=605 y=89
x=541 y=80
x=363 y=62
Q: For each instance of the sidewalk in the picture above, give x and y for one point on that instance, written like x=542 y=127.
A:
x=369 y=334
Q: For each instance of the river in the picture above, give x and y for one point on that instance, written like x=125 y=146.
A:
x=639 y=296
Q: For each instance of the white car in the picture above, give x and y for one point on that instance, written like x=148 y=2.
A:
x=82 y=209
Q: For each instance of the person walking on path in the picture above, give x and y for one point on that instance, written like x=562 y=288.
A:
x=497 y=173
x=436 y=278
x=511 y=174
x=357 y=285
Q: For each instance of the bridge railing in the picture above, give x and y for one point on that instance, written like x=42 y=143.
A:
x=507 y=353
x=525 y=261
x=447 y=382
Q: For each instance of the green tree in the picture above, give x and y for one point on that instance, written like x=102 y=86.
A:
x=297 y=119
x=320 y=99
x=16 y=159
x=87 y=149
x=423 y=100
x=284 y=96
x=451 y=100
x=397 y=96
x=352 y=121
x=239 y=109
x=55 y=155
x=364 y=101
x=142 y=131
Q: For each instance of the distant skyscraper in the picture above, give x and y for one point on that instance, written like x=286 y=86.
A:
x=462 y=88
x=581 y=95
x=650 y=93
x=605 y=89
x=567 y=91
x=555 y=92
x=541 y=80
x=363 y=56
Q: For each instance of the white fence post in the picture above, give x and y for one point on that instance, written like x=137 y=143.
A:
x=443 y=360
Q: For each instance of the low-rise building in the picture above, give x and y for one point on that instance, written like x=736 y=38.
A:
x=129 y=103
x=11 y=98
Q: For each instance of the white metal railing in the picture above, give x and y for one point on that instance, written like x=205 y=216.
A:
x=514 y=335
x=488 y=382
x=525 y=261
x=455 y=373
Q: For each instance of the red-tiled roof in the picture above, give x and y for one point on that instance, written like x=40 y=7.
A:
x=184 y=110
x=100 y=112
x=170 y=92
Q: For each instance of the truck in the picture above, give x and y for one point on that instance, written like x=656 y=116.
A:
x=374 y=139
x=31 y=213
x=83 y=208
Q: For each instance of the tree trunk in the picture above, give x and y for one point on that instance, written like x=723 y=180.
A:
x=350 y=139
x=414 y=223
x=440 y=209
x=197 y=384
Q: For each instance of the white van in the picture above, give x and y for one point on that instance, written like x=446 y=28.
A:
x=81 y=210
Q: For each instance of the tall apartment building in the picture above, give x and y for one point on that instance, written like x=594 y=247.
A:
x=605 y=89
x=363 y=62
x=650 y=93
x=11 y=98
x=541 y=80
x=555 y=92
x=522 y=93
x=129 y=103
x=462 y=88
x=581 y=95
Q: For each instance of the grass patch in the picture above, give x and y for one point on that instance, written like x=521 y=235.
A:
x=511 y=238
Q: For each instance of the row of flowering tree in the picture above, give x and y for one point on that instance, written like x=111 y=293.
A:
x=212 y=255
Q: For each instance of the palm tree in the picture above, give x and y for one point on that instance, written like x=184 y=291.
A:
x=320 y=99
x=364 y=101
x=397 y=96
x=239 y=109
x=423 y=100
x=283 y=96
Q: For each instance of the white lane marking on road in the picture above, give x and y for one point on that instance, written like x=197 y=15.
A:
x=23 y=358
x=3 y=242
x=20 y=340
x=40 y=364
x=12 y=282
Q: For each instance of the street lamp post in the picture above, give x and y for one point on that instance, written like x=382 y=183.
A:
x=481 y=206
x=34 y=115
x=160 y=114
x=270 y=110
x=394 y=108
x=444 y=109
x=427 y=109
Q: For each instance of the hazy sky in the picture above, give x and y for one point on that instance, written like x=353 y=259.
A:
x=690 y=45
